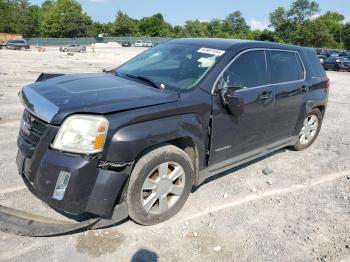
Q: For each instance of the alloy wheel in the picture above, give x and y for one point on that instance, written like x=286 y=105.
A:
x=309 y=129
x=163 y=188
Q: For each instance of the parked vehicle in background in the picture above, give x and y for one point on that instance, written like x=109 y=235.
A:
x=322 y=58
x=332 y=53
x=136 y=140
x=139 y=43
x=126 y=44
x=16 y=45
x=345 y=54
x=148 y=44
x=73 y=48
x=337 y=63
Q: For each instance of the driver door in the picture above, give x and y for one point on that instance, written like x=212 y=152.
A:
x=239 y=135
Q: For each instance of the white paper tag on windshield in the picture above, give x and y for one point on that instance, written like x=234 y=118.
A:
x=206 y=62
x=211 y=51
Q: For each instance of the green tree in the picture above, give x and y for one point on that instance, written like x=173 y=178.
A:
x=302 y=10
x=97 y=28
x=18 y=16
x=290 y=24
x=346 y=36
x=48 y=26
x=278 y=17
x=214 y=28
x=154 y=26
x=178 y=31
x=33 y=18
x=333 y=22
x=235 y=25
x=124 y=25
x=196 y=28
x=265 y=35
x=314 y=33
x=64 y=18
x=5 y=16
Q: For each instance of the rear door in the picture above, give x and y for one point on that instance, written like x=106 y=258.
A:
x=71 y=48
x=235 y=137
x=288 y=78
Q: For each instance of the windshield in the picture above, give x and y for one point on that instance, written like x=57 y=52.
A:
x=172 y=65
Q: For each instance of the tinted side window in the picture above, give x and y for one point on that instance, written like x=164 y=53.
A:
x=316 y=67
x=248 y=70
x=284 y=66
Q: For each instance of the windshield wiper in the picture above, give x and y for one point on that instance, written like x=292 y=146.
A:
x=146 y=79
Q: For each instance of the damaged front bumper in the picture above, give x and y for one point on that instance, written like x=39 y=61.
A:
x=71 y=183
x=26 y=224
x=68 y=182
x=74 y=185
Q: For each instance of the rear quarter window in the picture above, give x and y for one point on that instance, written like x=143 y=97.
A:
x=316 y=68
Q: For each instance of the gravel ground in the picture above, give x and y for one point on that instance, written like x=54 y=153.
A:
x=299 y=212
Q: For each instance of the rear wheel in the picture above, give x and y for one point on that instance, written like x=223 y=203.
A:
x=159 y=185
x=310 y=130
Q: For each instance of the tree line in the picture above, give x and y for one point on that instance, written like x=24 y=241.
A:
x=299 y=24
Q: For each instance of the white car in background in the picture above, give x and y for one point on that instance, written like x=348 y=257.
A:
x=148 y=44
x=139 y=43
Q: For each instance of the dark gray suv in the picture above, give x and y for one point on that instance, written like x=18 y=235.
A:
x=16 y=45
x=135 y=140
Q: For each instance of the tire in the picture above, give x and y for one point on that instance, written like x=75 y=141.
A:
x=303 y=144
x=143 y=209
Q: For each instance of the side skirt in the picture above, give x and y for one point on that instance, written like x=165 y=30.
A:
x=243 y=159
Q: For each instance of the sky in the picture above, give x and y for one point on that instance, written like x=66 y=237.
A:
x=176 y=12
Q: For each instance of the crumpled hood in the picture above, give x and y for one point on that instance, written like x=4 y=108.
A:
x=55 y=98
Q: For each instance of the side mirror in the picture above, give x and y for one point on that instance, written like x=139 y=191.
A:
x=231 y=101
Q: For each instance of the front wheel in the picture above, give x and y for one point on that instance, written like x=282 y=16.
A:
x=310 y=130
x=159 y=185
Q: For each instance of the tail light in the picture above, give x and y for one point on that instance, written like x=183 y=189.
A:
x=328 y=83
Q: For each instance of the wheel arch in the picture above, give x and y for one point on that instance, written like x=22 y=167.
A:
x=322 y=108
x=186 y=144
x=186 y=132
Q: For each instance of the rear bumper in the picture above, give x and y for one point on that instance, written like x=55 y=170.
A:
x=89 y=190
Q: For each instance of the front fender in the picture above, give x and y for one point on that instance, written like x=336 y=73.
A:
x=130 y=141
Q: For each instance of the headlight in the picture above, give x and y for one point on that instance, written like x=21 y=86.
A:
x=85 y=134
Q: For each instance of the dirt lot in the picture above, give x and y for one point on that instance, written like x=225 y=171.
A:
x=300 y=212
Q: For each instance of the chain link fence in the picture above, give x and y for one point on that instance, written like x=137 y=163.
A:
x=90 y=40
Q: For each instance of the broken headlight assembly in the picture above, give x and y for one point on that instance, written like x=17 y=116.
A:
x=83 y=134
